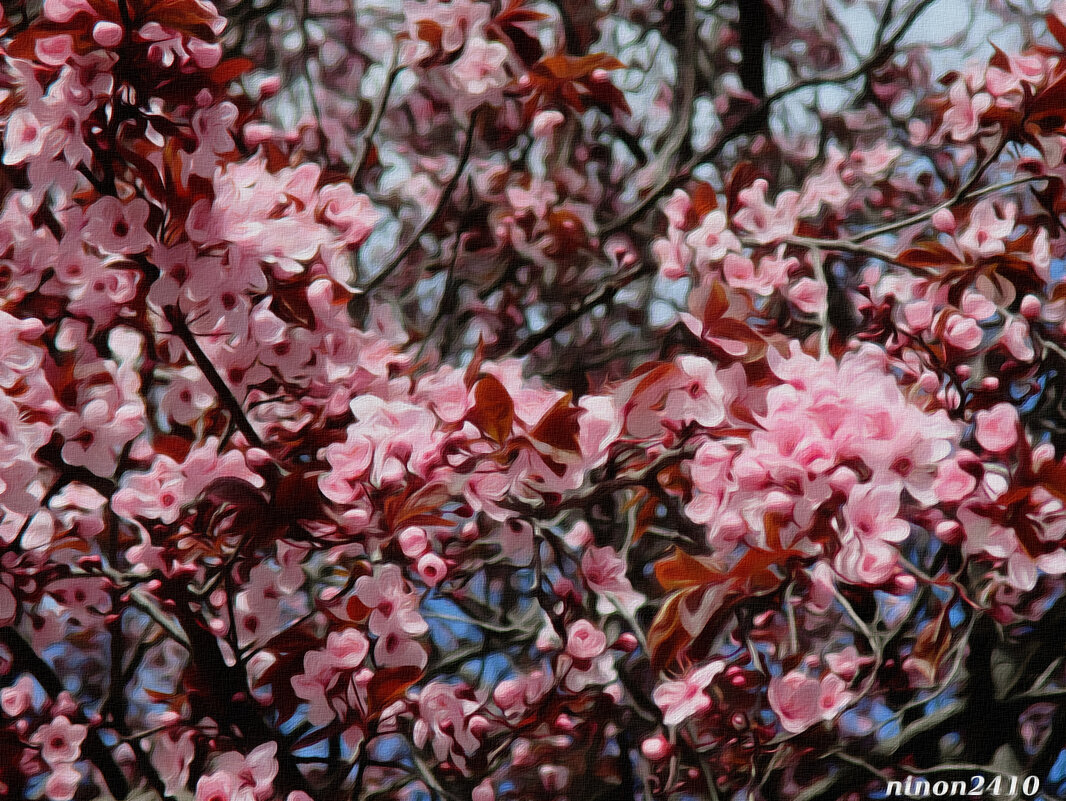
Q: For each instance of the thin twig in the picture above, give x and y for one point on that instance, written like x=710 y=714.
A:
x=445 y=197
x=359 y=161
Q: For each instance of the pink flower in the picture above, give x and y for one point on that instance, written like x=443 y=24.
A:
x=117 y=227
x=254 y=774
x=846 y=663
x=712 y=240
x=63 y=782
x=987 y=231
x=447 y=719
x=963 y=118
x=480 y=67
x=963 y=332
x=952 y=482
x=24 y=137
x=585 y=641
x=679 y=700
x=218 y=786
x=997 y=428
x=394 y=608
x=808 y=295
x=351 y=213
x=431 y=569
x=605 y=573
x=701 y=399
x=483 y=792
x=871 y=512
x=17 y=698
x=800 y=701
x=60 y=740
x=767 y=222
x=66 y=10
x=172 y=758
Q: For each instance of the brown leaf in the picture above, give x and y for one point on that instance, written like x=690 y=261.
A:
x=666 y=636
x=559 y=428
x=389 y=684
x=681 y=571
x=493 y=410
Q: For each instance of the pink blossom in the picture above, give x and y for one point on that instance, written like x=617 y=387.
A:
x=701 y=399
x=985 y=234
x=963 y=332
x=605 y=572
x=253 y=773
x=117 y=227
x=172 y=758
x=217 y=786
x=24 y=137
x=63 y=782
x=952 y=482
x=809 y=295
x=686 y=697
x=107 y=34
x=431 y=569
x=60 y=740
x=480 y=67
x=483 y=792
x=585 y=641
x=394 y=609
x=712 y=240
x=350 y=212
x=963 y=119
x=767 y=222
x=801 y=701
x=447 y=719
x=997 y=428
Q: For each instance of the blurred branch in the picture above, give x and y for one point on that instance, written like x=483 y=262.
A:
x=758 y=110
x=25 y=660
x=225 y=394
x=359 y=161
x=446 y=196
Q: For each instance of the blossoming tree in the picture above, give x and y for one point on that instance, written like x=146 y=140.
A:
x=510 y=400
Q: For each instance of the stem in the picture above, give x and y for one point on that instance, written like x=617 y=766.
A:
x=225 y=395
x=25 y=660
x=446 y=196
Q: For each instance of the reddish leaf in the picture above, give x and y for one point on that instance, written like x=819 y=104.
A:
x=230 y=69
x=666 y=636
x=493 y=410
x=704 y=199
x=932 y=645
x=681 y=571
x=559 y=428
x=389 y=684
x=929 y=256
x=1056 y=29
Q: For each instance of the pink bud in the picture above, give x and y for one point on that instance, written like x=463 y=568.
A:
x=565 y=722
x=483 y=792
x=990 y=382
x=626 y=642
x=270 y=87
x=546 y=121
x=413 y=541
x=655 y=748
x=949 y=531
x=1030 y=307
x=431 y=568
x=944 y=220
x=107 y=34
x=904 y=584
x=997 y=428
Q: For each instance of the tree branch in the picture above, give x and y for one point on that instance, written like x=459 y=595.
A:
x=25 y=660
